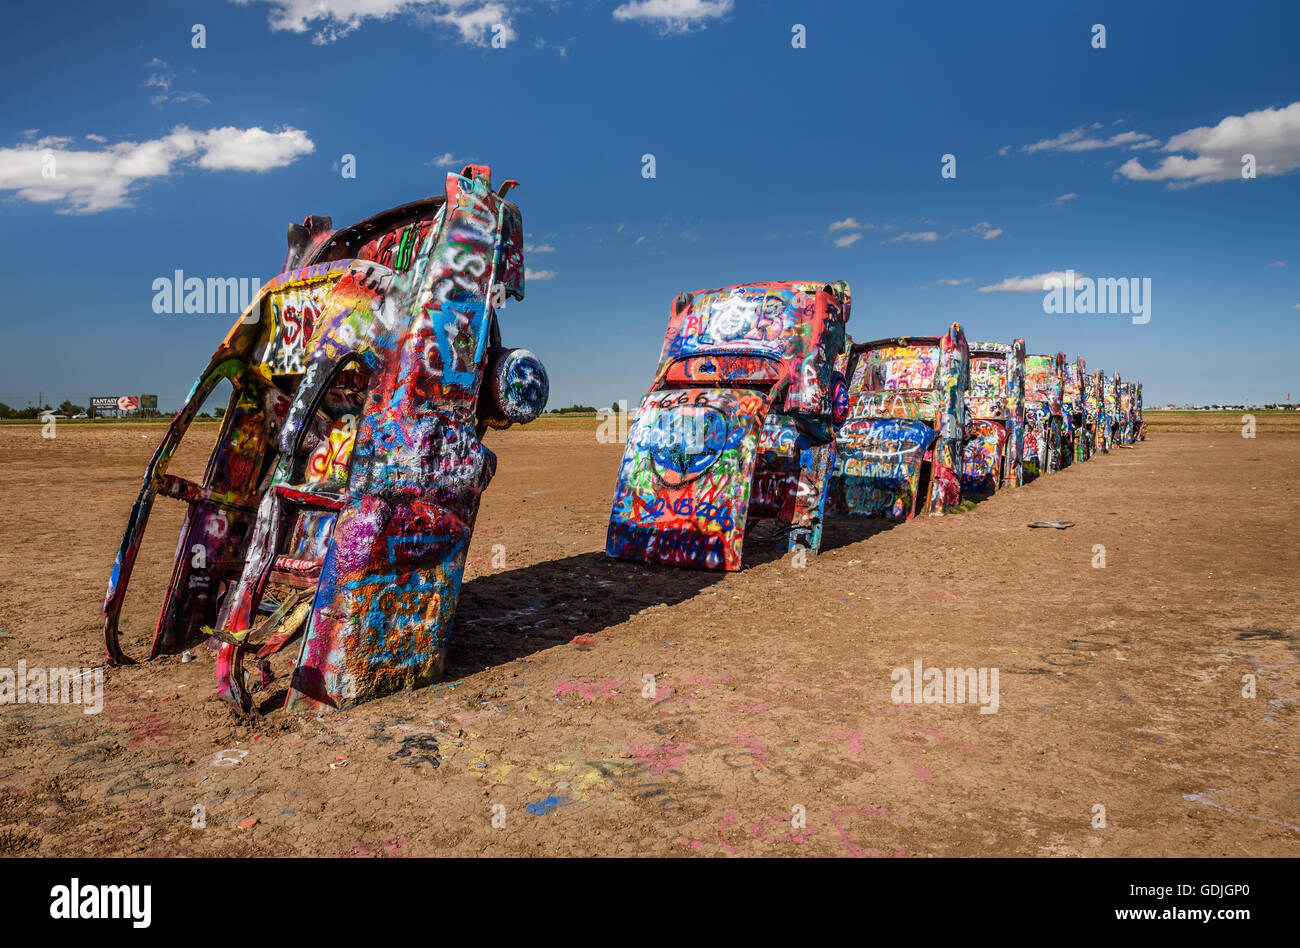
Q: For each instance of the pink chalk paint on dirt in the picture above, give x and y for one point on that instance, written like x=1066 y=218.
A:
x=976 y=750
x=914 y=731
x=755 y=749
x=727 y=819
x=854 y=851
x=661 y=759
x=853 y=741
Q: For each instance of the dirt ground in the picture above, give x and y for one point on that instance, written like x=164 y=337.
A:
x=1120 y=686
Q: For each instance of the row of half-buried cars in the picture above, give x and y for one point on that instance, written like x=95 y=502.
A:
x=762 y=407
x=336 y=509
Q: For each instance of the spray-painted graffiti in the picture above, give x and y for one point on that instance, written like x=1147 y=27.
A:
x=1109 y=410
x=881 y=474
x=894 y=368
x=1139 y=424
x=995 y=406
x=686 y=477
x=345 y=508
x=1129 y=413
x=1047 y=428
x=1074 y=405
x=294 y=307
x=1094 y=413
x=907 y=406
x=738 y=425
x=981 y=470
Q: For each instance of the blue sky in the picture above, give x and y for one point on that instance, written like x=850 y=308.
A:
x=771 y=162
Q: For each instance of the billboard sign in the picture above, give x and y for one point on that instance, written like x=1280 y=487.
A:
x=117 y=405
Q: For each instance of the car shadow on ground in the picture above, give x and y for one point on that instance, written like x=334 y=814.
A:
x=513 y=613
x=841 y=530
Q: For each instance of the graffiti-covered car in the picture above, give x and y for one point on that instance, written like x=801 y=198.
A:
x=1139 y=423
x=1095 y=412
x=738 y=425
x=1046 y=428
x=1110 y=410
x=899 y=452
x=341 y=495
x=1122 y=431
x=1074 y=405
x=1127 y=412
x=995 y=410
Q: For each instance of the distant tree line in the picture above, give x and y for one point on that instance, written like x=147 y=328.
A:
x=615 y=406
x=32 y=411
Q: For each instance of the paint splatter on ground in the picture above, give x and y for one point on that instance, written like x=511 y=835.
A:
x=542 y=807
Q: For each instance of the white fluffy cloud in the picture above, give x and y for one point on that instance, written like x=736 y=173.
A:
x=332 y=20
x=853 y=226
x=849 y=223
x=251 y=149
x=1271 y=135
x=1033 y=284
x=673 y=16
x=538 y=274
x=84 y=181
x=448 y=160
x=478 y=24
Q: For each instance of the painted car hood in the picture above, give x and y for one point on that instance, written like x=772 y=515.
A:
x=684 y=484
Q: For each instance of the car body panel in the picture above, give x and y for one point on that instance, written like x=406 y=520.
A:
x=995 y=410
x=684 y=485
x=1095 y=411
x=391 y=578
x=1046 y=428
x=1140 y=425
x=350 y=464
x=906 y=407
x=737 y=425
x=1128 y=412
x=1110 y=410
x=1074 y=404
x=259 y=347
